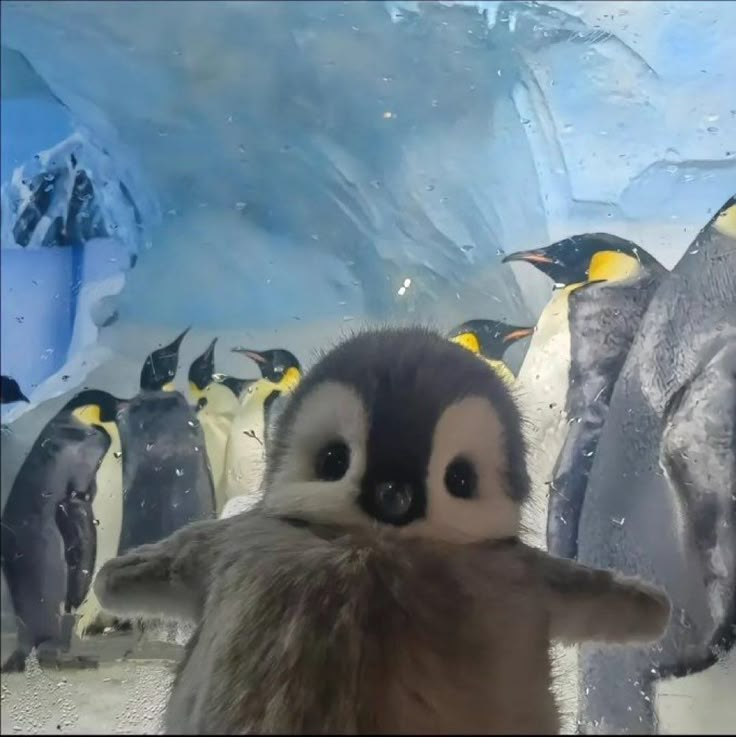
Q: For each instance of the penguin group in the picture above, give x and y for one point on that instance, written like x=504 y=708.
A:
x=628 y=387
x=107 y=474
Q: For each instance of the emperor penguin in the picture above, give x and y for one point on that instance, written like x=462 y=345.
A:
x=490 y=339
x=660 y=496
x=245 y=456
x=10 y=391
x=380 y=581
x=49 y=536
x=166 y=477
x=602 y=284
x=107 y=506
x=217 y=399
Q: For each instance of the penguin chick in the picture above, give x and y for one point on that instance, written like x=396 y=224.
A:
x=490 y=339
x=603 y=284
x=379 y=586
x=10 y=391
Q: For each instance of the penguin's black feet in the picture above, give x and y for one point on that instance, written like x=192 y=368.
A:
x=16 y=663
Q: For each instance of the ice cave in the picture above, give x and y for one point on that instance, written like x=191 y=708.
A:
x=198 y=198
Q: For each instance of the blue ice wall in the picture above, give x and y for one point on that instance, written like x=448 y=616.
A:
x=298 y=161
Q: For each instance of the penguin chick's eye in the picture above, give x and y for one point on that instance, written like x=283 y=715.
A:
x=201 y=403
x=332 y=461
x=461 y=479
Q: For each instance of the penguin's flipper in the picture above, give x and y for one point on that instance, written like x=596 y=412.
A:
x=698 y=453
x=75 y=520
x=169 y=578
x=589 y=604
x=567 y=490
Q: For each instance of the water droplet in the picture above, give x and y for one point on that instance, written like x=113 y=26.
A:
x=118 y=454
x=96 y=522
x=179 y=472
x=149 y=446
x=618 y=521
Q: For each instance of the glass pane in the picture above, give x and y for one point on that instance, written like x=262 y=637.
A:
x=197 y=197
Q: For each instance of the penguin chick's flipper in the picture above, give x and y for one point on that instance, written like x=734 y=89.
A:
x=168 y=578
x=699 y=456
x=587 y=604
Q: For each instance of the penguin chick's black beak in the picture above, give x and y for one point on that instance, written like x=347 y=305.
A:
x=518 y=334
x=390 y=502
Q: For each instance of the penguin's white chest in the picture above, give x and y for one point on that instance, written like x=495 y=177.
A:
x=216 y=428
x=245 y=456
x=542 y=387
x=107 y=508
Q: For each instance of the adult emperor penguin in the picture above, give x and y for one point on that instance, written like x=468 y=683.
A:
x=490 y=339
x=245 y=456
x=217 y=399
x=107 y=507
x=49 y=537
x=10 y=391
x=660 y=497
x=602 y=285
x=166 y=475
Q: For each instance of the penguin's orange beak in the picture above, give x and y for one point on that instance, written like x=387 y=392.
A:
x=253 y=355
x=517 y=334
x=533 y=257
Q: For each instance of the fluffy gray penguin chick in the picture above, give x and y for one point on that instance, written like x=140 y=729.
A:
x=379 y=586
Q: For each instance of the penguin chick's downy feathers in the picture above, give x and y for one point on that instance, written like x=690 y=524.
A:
x=336 y=617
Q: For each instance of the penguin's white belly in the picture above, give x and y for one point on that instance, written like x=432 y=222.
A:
x=245 y=459
x=542 y=391
x=107 y=508
x=216 y=428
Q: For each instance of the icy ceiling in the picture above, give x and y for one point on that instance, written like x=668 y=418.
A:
x=302 y=160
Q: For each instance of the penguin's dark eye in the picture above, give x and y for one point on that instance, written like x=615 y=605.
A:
x=332 y=461
x=460 y=478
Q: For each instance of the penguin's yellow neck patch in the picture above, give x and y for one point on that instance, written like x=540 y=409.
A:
x=502 y=370
x=89 y=414
x=612 y=266
x=290 y=379
x=195 y=391
x=468 y=341
x=726 y=222
x=169 y=387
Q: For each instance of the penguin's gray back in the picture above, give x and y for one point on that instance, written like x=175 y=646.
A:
x=633 y=517
x=604 y=319
x=166 y=478
x=382 y=619
x=48 y=536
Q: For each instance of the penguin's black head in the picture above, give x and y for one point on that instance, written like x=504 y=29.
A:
x=159 y=369
x=10 y=391
x=405 y=429
x=586 y=258
x=279 y=366
x=202 y=370
x=94 y=406
x=488 y=338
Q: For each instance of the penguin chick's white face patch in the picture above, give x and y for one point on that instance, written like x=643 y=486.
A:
x=404 y=429
x=466 y=499
x=330 y=429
